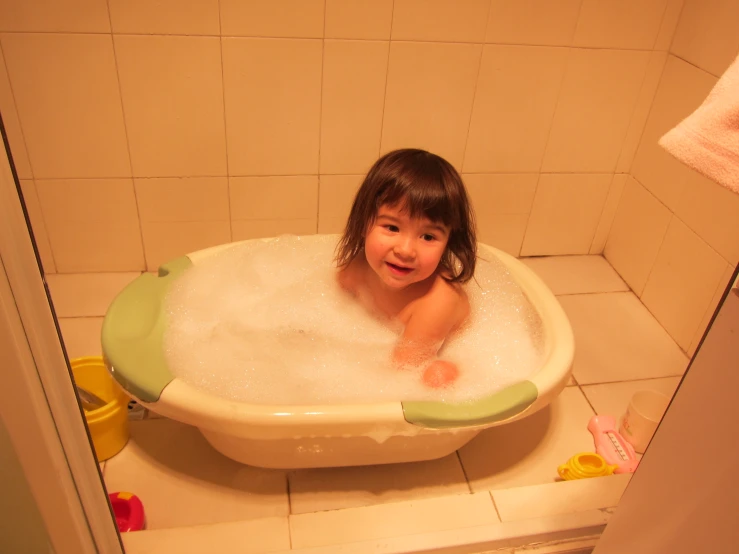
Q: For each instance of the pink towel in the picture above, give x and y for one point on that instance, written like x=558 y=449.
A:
x=708 y=139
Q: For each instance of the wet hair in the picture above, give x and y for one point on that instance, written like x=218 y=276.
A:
x=423 y=185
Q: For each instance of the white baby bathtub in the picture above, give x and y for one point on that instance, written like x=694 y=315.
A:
x=290 y=437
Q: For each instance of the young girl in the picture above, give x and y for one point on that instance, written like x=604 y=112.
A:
x=408 y=245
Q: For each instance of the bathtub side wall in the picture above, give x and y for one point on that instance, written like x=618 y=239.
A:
x=142 y=131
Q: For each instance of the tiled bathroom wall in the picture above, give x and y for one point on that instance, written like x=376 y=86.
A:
x=675 y=235
x=144 y=130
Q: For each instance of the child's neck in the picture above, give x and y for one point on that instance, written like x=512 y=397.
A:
x=391 y=301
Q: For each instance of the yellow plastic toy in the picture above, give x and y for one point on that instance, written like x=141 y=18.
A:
x=585 y=465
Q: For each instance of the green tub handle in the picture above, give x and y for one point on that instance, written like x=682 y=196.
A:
x=133 y=332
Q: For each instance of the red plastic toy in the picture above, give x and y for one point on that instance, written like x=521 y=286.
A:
x=128 y=510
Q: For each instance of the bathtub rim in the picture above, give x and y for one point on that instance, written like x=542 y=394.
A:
x=176 y=399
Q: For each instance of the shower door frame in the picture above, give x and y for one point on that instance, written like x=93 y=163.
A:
x=38 y=404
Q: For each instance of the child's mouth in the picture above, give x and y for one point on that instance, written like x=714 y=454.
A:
x=399 y=270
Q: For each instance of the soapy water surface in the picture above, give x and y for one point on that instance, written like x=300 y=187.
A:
x=265 y=322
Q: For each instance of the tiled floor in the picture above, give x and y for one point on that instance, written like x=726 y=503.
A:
x=620 y=348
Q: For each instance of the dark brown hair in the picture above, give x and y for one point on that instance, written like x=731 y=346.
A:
x=425 y=185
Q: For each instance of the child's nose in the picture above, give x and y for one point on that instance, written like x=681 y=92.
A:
x=405 y=248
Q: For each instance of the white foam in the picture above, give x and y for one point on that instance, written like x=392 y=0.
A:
x=266 y=323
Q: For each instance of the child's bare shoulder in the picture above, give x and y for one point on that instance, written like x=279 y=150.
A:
x=446 y=301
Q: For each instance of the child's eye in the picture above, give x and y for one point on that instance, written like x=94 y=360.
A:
x=392 y=228
x=428 y=238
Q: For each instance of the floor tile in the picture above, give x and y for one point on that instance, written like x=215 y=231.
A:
x=576 y=274
x=257 y=536
x=617 y=339
x=564 y=497
x=81 y=336
x=315 y=490
x=528 y=451
x=182 y=481
x=391 y=520
x=613 y=398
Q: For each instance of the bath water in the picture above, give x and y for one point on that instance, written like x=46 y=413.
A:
x=265 y=322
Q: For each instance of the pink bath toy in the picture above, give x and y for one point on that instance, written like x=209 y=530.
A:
x=611 y=445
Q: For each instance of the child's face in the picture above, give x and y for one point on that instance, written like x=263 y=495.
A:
x=401 y=250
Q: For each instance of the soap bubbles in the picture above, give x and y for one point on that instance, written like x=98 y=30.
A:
x=265 y=322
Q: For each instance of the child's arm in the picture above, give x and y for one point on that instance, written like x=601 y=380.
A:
x=431 y=321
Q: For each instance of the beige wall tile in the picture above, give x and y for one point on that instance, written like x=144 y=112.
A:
x=440 y=20
x=503 y=231
x=184 y=199
x=511 y=22
x=637 y=232
x=684 y=279
x=669 y=24
x=276 y=18
x=706 y=34
x=565 y=213
x=609 y=212
x=717 y=296
x=597 y=100
x=165 y=17
x=391 y=520
x=359 y=19
x=265 y=534
x=166 y=240
x=173 y=98
x=86 y=294
x=638 y=120
x=567 y=497
x=500 y=193
x=292 y=197
x=502 y=204
x=273 y=104
x=93 y=224
x=331 y=225
x=260 y=228
x=335 y=488
x=353 y=98
x=625 y=24
x=712 y=211
x=40 y=234
x=335 y=197
x=73 y=16
x=13 y=125
x=681 y=90
x=66 y=92
x=429 y=97
x=516 y=96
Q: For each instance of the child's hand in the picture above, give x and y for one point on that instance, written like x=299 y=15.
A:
x=440 y=373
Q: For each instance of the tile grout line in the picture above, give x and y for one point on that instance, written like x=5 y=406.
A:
x=225 y=124
x=495 y=506
x=289 y=509
x=128 y=138
x=320 y=120
x=474 y=92
x=387 y=75
x=464 y=472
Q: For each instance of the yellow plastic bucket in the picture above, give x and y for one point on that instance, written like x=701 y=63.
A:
x=108 y=424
